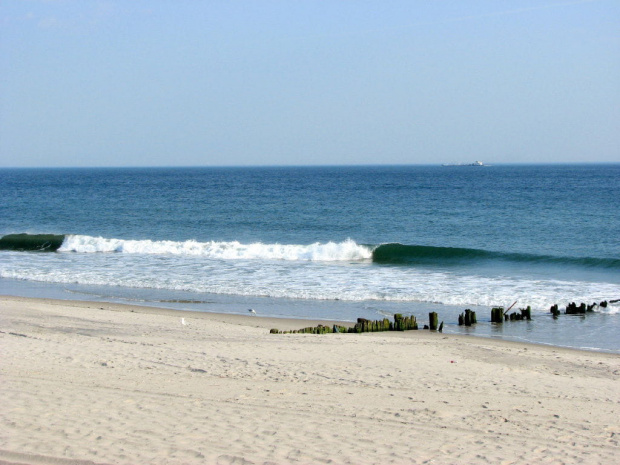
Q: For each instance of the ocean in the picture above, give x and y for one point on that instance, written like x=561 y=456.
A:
x=333 y=243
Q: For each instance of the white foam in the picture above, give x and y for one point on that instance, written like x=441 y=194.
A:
x=316 y=280
x=611 y=309
x=347 y=250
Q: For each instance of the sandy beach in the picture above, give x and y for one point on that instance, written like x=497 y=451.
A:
x=85 y=382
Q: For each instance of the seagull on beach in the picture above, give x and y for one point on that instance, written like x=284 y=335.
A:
x=183 y=321
x=252 y=311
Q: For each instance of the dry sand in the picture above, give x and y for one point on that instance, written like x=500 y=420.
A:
x=85 y=383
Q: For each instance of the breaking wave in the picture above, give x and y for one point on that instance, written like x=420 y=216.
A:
x=331 y=251
x=348 y=250
x=399 y=254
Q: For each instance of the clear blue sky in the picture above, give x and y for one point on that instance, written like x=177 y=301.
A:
x=298 y=82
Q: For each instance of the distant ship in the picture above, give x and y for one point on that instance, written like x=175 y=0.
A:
x=476 y=163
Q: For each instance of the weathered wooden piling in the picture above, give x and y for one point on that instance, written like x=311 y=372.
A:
x=555 y=311
x=526 y=313
x=497 y=315
x=573 y=309
x=401 y=323
x=432 y=321
x=398 y=322
x=469 y=318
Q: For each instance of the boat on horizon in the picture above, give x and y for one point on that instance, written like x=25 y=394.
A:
x=476 y=163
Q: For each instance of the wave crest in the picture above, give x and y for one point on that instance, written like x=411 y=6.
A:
x=31 y=242
x=347 y=250
x=400 y=254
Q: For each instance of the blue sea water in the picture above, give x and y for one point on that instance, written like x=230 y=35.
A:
x=326 y=242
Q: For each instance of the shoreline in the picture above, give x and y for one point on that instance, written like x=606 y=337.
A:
x=596 y=332
x=101 y=383
x=281 y=323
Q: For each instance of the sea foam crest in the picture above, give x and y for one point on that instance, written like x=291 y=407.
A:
x=610 y=309
x=347 y=250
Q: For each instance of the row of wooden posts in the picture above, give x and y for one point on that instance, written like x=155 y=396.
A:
x=574 y=309
x=400 y=323
x=498 y=315
x=467 y=318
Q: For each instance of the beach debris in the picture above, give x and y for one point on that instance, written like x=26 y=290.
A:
x=183 y=321
x=513 y=304
x=555 y=310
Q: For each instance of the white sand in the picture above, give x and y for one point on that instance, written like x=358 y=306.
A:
x=102 y=383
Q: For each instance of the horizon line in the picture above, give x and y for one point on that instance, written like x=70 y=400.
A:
x=335 y=165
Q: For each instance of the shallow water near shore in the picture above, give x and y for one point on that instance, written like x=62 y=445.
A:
x=594 y=331
x=332 y=243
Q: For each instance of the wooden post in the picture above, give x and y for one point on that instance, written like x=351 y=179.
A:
x=433 y=321
x=398 y=322
x=497 y=315
x=526 y=313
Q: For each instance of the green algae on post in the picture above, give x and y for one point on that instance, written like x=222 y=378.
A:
x=401 y=323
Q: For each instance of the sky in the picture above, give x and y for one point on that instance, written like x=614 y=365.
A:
x=308 y=82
